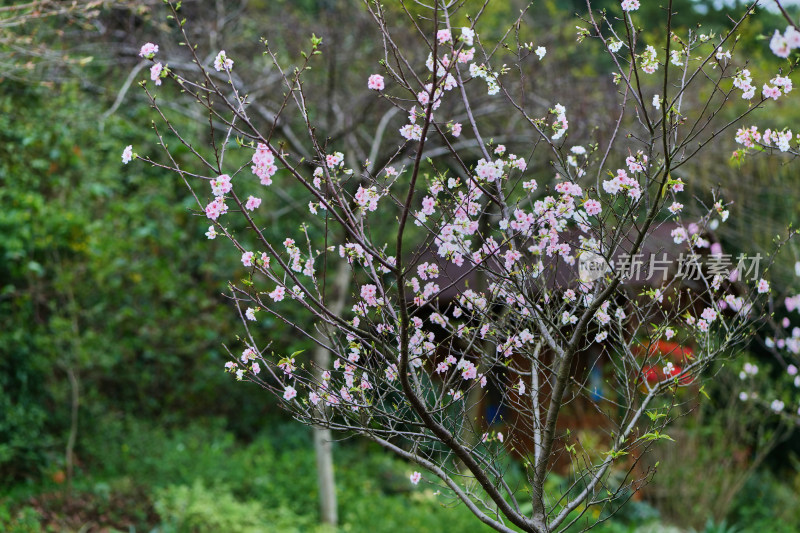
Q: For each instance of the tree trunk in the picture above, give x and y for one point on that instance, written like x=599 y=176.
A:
x=323 y=449
x=323 y=446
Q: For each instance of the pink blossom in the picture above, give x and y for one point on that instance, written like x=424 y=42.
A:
x=517 y=162
x=264 y=164
x=368 y=293
x=428 y=270
x=592 y=207
x=511 y=257
x=633 y=165
x=428 y=206
x=742 y=80
x=679 y=235
x=252 y=203
x=334 y=160
x=783 y=81
x=771 y=92
x=148 y=50
x=248 y=354
x=709 y=315
x=289 y=393
x=467 y=36
x=792 y=36
x=763 y=286
x=367 y=198
x=612 y=186
x=216 y=208
x=560 y=125
x=779 y=45
x=469 y=371
x=375 y=82
x=221 y=185
x=127 y=154
x=443 y=36
x=649 y=58
x=415 y=477
x=411 y=132
x=489 y=170
x=465 y=56
x=630 y=5
x=155 y=73
x=278 y=294
x=247 y=259
x=430 y=289
x=456 y=129
x=569 y=188
x=222 y=62
x=450 y=83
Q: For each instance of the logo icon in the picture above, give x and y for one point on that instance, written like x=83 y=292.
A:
x=591 y=266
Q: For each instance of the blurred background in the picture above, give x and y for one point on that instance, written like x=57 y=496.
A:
x=115 y=412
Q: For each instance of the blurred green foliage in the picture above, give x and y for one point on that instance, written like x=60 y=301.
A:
x=105 y=274
x=200 y=479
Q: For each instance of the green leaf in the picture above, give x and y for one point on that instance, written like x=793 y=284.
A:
x=656 y=436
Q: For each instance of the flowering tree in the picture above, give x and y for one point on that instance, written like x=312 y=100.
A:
x=447 y=272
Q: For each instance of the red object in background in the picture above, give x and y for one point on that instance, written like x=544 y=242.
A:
x=650 y=373
x=654 y=374
x=673 y=348
x=663 y=348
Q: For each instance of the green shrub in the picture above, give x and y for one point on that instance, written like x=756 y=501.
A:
x=26 y=520
x=199 y=509
x=767 y=503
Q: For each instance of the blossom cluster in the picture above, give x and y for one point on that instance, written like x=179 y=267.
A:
x=264 y=164
x=750 y=137
x=782 y=44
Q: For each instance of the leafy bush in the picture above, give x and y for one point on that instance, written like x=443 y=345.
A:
x=198 y=509
x=768 y=504
x=25 y=520
x=200 y=475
